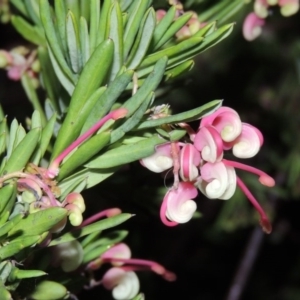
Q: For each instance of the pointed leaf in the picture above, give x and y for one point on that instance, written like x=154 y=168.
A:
x=143 y=40
x=126 y=153
x=94 y=23
x=60 y=18
x=97 y=226
x=46 y=290
x=188 y=116
x=17 y=274
x=92 y=76
x=84 y=41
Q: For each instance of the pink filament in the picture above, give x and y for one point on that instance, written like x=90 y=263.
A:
x=264 y=178
x=264 y=221
x=102 y=214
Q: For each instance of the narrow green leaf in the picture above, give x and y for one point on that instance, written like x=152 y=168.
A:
x=132 y=121
x=74 y=7
x=208 y=42
x=179 y=69
x=108 y=98
x=7 y=194
x=163 y=26
x=5 y=228
x=126 y=153
x=170 y=52
x=206 y=30
x=85 y=10
x=36 y=120
x=3 y=137
x=46 y=290
x=49 y=79
x=21 y=133
x=150 y=84
x=28 y=32
x=84 y=40
x=39 y=222
x=176 y=26
x=84 y=153
x=94 y=253
x=20 y=5
x=115 y=32
x=17 y=274
x=94 y=23
x=105 y=8
x=125 y=4
x=137 y=12
x=16 y=246
x=143 y=40
x=91 y=78
x=54 y=44
x=60 y=18
x=22 y=153
x=63 y=79
x=73 y=43
x=4 y=293
x=32 y=9
x=12 y=136
x=187 y=116
x=97 y=226
x=32 y=96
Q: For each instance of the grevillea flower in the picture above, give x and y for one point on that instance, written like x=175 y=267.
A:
x=161 y=160
x=177 y=206
x=124 y=285
x=261 y=8
x=217 y=181
x=189 y=163
x=288 y=7
x=252 y=26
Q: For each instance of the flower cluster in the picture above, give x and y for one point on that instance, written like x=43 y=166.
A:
x=253 y=23
x=18 y=61
x=201 y=165
x=121 y=277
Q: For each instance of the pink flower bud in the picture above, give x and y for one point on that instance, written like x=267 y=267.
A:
x=159 y=161
x=177 y=206
x=288 y=7
x=76 y=199
x=226 y=121
x=118 y=251
x=208 y=141
x=248 y=143
x=261 y=8
x=124 y=285
x=217 y=181
x=252 y=27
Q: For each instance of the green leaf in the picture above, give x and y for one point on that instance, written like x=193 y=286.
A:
x=126 y=153
x=28 y=32
x=84 y=153
x=20 y=6
x=17 y=274
x=60 y=18
x=22 y=153
x=32 y=96
x=115 y=32
x=46 y=290
x=92 y=76
x=15 y=247
x=143 y=40
x=173 y=51
x=39 y=222
x=105 y=8
x=187 y=116
x=163 y=26
x=36 y=120
x=137 y=12
x=149 y=85
x=179 y=70
x=94 y=23
x=84 y=41
x=97 y=226
x=73 y=43
x=21 y=133
x=53 y=42
x=4 y=293
x=12 y=136
x=176 y=26
x=107 y=99
x=32 y=9
x=5 y=228
x=8 y=194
